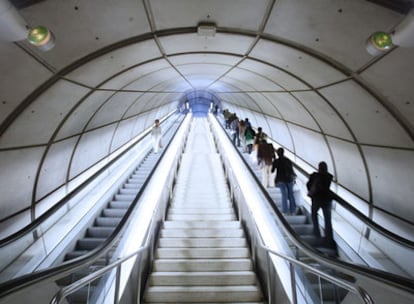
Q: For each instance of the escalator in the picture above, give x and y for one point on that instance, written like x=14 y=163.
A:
x=300 y=227
x=104 y=225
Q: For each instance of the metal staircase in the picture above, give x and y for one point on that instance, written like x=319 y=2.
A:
x=202 y=254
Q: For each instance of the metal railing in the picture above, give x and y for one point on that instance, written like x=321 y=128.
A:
x=72 y=288
x=355 y=289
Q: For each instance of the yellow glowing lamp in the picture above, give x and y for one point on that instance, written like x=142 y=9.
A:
x=378 y=43
x=381 y=40
x=41 y=37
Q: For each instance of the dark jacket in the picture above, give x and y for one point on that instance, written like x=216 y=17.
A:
x=318 y=186
x=284 y=170
x=265 y=153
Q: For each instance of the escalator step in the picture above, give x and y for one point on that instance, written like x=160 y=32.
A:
x=100 y=232
x=303 y=229
x=124 y=197
x=107 y=221
x=128 y=191
x=89 y=243
x=75 y=254
x=296 y=219
x=119 y=205
x=129 y=185
x=112 y=212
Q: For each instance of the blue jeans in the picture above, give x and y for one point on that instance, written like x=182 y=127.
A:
x=286 y=190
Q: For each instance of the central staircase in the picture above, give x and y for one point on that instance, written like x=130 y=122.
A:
x=202 y=254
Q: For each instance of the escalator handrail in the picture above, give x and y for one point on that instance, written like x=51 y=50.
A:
x=13 y=285
x=47 y=214
x=384 y=276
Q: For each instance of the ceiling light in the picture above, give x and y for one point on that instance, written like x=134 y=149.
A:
x=41 y=37
x=206 y=29
x=378 y=43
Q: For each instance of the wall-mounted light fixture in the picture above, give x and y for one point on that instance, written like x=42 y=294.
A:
x=41 y=37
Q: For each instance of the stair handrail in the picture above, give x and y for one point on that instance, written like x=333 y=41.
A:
x=13 y=285
x=354 y=288
x=52 y=210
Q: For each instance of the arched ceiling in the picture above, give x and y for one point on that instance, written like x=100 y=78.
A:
x=297 y=68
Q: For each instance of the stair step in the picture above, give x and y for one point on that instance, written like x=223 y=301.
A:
x=202 y=210
x=193 y=233
x=216 y=303
x=202 y=265
x=202 y=278
x=202 y=224
x=201 y=253
x=207 y=217
x=217 y=294
x=202 y=242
